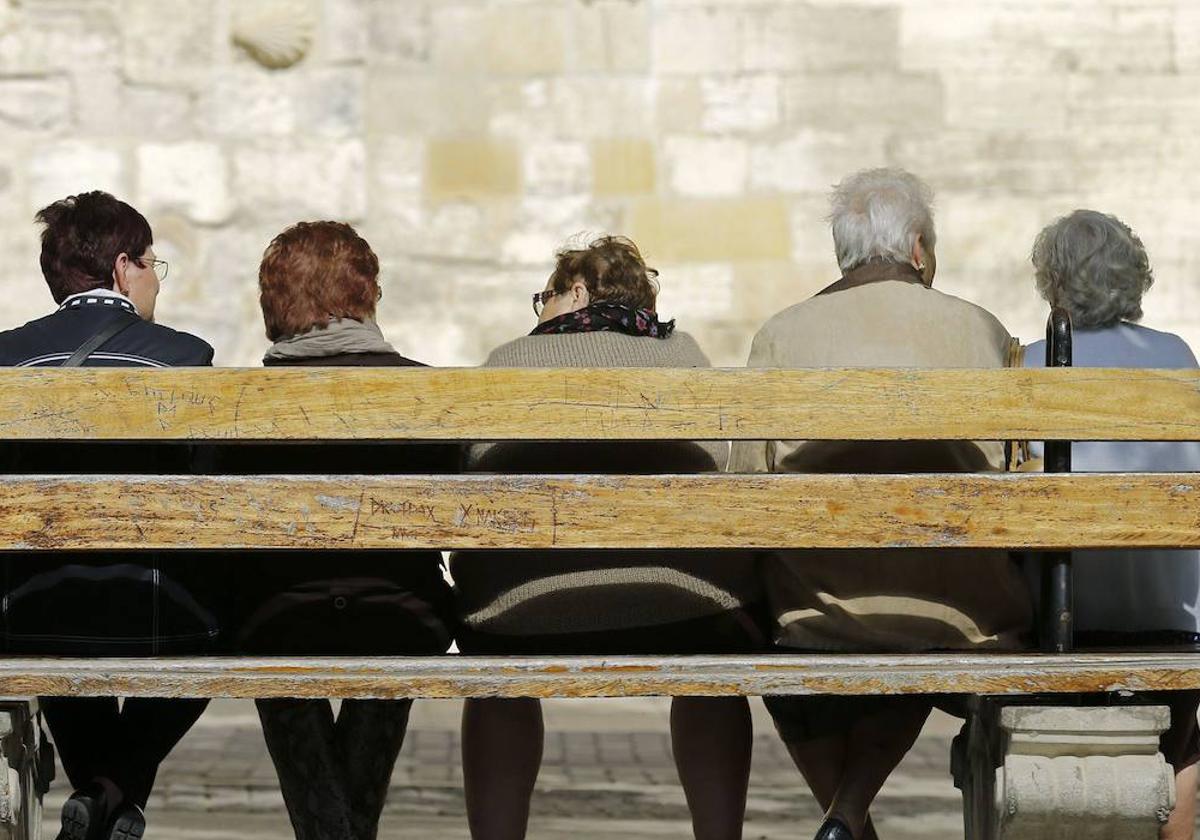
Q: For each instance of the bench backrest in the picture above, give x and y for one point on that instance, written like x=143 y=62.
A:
x=719 y=510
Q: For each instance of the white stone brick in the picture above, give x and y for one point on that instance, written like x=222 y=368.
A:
x=14 y=179
x=1033 y=39
x=303 y=180
x=97 y=94
x=448 y=231
x=544 y=225
x=330 y=102
x=811 y=161
x=172 y=42
x=61 y=169
x=983 y=249
x=801 y=36
x=523 y=110
x=526 y=38
x=189 y=177
x=850 y=101
x=1005 y=161
x=161 y=113
x=608 y=35
x=25 y=293
x=459 y=38
x=702 y=39
x=397 y=165
x=704 y=166
x=345 y=31
x=44 y=39
x=249 y=101
x=588 y=107
x=986 y=101
x=400 y=33
x=423 y=333
x=556 y=169
x=571 y=107
x=439 y=105
x=694 y=293
x=35 y=105
x=1166 y=102
x=1186 y=31
x=742 y=103
x=1153 y=166
x=677 y=104
x=812 y=241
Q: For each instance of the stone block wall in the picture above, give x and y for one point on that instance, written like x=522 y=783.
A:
x=468 y=139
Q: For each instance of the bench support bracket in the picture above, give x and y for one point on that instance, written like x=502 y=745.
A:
x=1063 y=772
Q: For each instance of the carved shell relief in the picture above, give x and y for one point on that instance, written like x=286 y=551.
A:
x=276 y=33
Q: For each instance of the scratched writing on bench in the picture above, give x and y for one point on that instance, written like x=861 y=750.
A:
x=378 y=512
x=403 y=507
x=167 y=400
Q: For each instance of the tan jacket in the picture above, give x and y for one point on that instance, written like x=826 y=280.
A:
x=885 y=599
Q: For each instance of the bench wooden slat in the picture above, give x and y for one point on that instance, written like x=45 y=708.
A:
x=682 y=511
x=592 y=676
x=498 y=404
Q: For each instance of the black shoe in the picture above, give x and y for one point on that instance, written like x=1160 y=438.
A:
x=83 y=814
x=833 y=829
x=128 y=823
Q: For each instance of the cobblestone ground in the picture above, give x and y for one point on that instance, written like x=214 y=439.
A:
x=607 y=773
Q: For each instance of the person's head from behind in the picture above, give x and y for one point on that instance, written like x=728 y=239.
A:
x=314 y=273
x=95 y=241
x=884 y=215
x=608 y=270
x=1094 y=266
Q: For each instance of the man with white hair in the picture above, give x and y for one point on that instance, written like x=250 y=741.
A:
x=883 y=312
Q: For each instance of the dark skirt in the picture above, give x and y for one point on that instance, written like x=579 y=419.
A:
x=353 y=604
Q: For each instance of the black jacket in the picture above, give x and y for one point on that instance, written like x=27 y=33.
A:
x=50 y=341
x=108 y=603
x=341 y=602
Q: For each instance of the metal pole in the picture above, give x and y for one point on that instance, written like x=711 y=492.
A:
x=1057 y=596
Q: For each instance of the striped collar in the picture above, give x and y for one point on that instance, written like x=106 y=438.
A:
x=99 y=297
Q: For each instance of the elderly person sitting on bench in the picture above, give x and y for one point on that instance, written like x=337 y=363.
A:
x=598 y=310
x=883 y=312
x=1096 y=268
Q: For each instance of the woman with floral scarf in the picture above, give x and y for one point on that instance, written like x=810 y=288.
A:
x=598 y=311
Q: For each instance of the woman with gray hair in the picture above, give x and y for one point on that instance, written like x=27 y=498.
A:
x=1094 y=266
x=883 y=312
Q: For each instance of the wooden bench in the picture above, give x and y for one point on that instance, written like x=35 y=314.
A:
x=1017 y=510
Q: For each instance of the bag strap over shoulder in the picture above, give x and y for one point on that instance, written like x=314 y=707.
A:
x=107 y=332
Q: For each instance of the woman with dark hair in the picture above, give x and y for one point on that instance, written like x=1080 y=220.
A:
x=318 y=285
x=1094 y=266
x=598 y=310
x=99 y=263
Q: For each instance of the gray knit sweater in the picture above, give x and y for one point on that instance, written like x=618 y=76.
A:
x=536 y=593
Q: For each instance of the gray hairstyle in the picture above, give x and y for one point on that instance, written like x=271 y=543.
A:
x=878 y=214
x=1094 y=266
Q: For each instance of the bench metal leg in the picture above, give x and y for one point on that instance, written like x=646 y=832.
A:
x=1057 y=602
x=25 y=771
x=1063 y=772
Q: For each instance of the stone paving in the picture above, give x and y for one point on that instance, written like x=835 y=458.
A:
x=607 y=772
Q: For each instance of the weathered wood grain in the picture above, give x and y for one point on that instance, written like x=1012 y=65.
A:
x=1019 y=510
x=615 y=676
x=532 y=404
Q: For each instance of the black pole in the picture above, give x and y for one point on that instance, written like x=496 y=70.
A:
x=1057 y=596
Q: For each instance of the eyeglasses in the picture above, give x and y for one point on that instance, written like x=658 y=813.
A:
x=159 y=267
x=540 y=299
